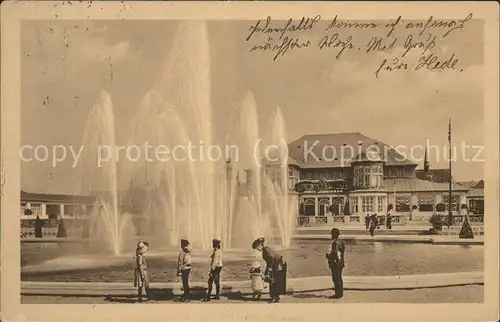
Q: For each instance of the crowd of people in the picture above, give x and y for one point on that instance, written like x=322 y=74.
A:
x=274 y=273
x=372 y=222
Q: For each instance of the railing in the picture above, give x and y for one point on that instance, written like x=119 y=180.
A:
x=308 y=221
x=474 y=219
x=455 y=230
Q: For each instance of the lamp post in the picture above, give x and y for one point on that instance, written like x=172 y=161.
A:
x=450 y=215
x=228 y=197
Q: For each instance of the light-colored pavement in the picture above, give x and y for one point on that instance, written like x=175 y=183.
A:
x=454 y=294
x=306 y=284
x=428 y=239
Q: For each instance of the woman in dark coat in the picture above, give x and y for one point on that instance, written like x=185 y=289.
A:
x=388 y=221
x=38 y=227
x=275 y=272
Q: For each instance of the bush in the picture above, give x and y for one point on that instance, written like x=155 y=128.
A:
x=437 y=223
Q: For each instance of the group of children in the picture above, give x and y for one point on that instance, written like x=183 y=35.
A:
x=141 y=278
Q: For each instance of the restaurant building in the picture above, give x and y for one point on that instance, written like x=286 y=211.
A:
x=350 y=174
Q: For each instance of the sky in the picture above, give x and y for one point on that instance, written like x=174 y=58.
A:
x=66 y=64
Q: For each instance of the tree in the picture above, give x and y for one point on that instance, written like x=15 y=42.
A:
x=61 y=230
x=466 y=231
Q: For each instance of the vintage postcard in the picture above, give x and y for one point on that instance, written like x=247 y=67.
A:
x=261 y=161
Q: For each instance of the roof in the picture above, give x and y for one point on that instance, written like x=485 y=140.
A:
x=272 y=160
x=58 y=198
x=317 y=181
x=338 y=150
x=419 y=185
x=468 y=184
x=435 y=175
x=480 y=184
x=476 y=192
x=368 y=156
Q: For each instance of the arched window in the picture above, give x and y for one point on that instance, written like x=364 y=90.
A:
x=324 y=203
x=309 y=207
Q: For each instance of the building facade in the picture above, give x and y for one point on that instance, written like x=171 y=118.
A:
x=51 y=209
x=350 y=174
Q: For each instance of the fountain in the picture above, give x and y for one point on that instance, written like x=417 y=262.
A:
x=198 y=198
x=107 y=221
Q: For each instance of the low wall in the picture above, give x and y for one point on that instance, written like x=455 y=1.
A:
x=455 y=230
x=307 y=221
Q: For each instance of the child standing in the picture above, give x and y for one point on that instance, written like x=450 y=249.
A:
x=141 y=278
x=215 y=270
x=184 y=267
x=257 y=277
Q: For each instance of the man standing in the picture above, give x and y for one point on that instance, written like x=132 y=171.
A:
x=336 y=263
x=388 y=221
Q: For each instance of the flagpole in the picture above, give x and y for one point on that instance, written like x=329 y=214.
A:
x=394 y=192
x=450 y=216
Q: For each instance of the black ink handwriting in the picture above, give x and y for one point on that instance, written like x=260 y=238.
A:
x=303 y=24
x=380 y=44
x=350 y=25
x=333 y=41
x=433 y=62
x=286 y=45
x=395 y=64
x=426 y=45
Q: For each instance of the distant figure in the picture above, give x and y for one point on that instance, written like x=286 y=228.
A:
x=61 y=230
x=367 y=221
x=388 y=221
x=184 y=268
x=141 y=278
x=373 y=224
x=38 y=227
x=215 y=270
x=276 y=269
x=336 y=262
x=257 y=277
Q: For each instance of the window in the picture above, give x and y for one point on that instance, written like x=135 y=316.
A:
x=290 y=172
x=354 y=204
x=426 y=202
x=454 y=202
x=73 y=210
x=53 y=211
x=380 y=204
x=476 y=206
x=403 y=204
x=368 y=176
x=36 y=209
x=323 y=203
x=309 y=207
x=367 y=204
